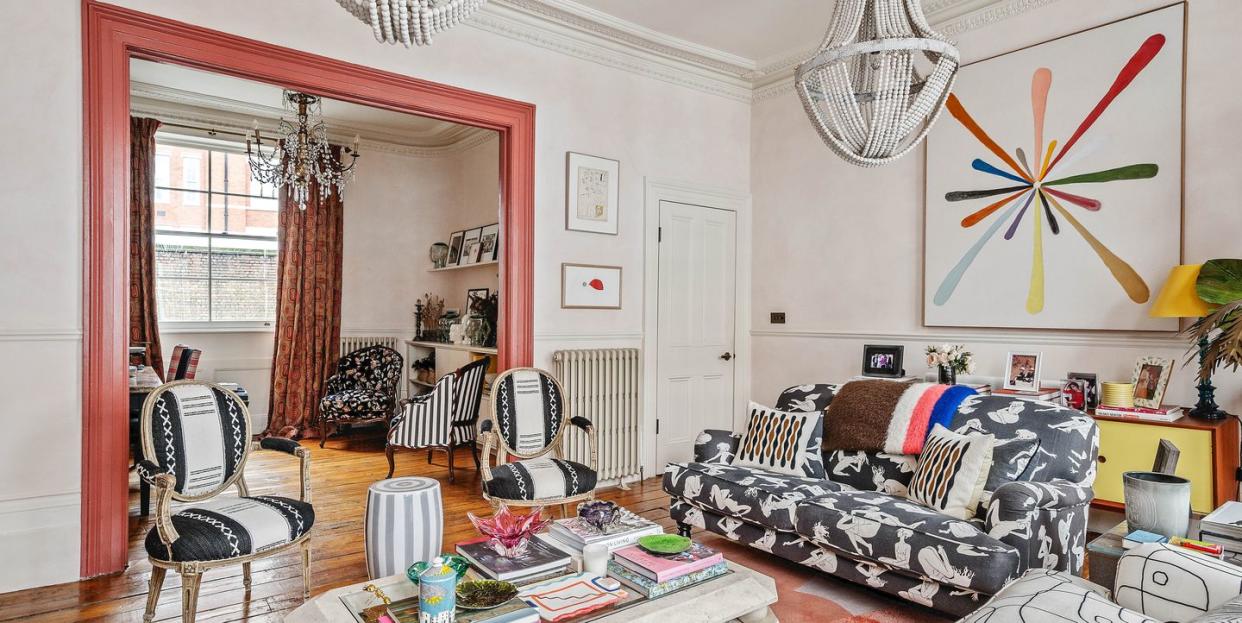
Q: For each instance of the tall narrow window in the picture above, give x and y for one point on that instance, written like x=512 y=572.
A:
x=191 y=178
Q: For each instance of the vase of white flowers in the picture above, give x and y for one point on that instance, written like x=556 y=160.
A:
x=950 y=360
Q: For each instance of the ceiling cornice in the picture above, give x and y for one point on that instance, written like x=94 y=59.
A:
x=577 y=30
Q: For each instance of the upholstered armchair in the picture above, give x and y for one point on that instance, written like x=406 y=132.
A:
x=197 y=435
x=529 y=422
x=445 y=418
x=363 y=390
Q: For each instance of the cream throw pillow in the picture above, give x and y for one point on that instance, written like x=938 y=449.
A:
x=952 y=472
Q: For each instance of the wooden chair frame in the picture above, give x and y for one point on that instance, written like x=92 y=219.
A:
x=192 y=571
x=492 y=439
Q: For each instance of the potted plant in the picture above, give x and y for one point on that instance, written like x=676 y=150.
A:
x=1218 y=336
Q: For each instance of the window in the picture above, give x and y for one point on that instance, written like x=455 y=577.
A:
x=215 y=237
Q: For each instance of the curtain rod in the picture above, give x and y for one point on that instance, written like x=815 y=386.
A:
x=209 y=131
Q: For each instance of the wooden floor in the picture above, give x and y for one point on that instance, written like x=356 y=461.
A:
x=340 y=475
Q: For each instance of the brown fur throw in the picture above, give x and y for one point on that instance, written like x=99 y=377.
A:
x=860 y=413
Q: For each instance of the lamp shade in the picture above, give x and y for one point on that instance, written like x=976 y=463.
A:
x=1178 y=299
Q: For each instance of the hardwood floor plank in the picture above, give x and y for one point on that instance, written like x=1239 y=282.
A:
x=340 y=475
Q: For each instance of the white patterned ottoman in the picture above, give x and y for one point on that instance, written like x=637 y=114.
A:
x=404 y=524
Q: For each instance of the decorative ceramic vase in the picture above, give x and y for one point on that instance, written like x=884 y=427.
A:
x=437 y=593
x=946 y=375
x=438 y=254
x=1158 y=503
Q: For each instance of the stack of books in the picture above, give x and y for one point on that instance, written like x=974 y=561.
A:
x=1163 y=414
x=572 y=534
x=655 y=575
x=983 y=389
x=1046 y=394
x=539 y=562
x=1223 y=527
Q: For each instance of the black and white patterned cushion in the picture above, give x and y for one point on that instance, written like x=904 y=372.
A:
x=200 y=436
x=785 y=442
x=811 y=397
x=529 y=410
x=753 y=494
x=952 y=472
x=356 y=403
x=230 y=527
x=537 y=479
x=1045 y=596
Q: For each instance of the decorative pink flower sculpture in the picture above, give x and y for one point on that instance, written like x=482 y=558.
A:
x=509 y=532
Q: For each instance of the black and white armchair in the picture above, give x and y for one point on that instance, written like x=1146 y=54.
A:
x=363 y=390
x=529 y=421
x=197 y=435
x=445 y=418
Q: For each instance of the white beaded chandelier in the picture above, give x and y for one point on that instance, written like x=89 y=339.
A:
x=410 y=21
x=862 y=89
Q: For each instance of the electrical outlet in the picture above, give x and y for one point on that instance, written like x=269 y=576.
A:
x=778 y=318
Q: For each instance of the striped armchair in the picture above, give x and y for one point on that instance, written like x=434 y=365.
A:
x=443 y=418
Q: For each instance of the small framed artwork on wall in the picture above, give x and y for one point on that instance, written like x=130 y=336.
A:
x=588 y=286
x=1022 y=371
x=883 y=361
x=489 y=246
x=470 y=246
x=454 y=253
x=1151 y=378
x=591 y=193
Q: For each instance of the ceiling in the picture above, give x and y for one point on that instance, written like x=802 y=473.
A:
x=159 y=84
x=752 y=29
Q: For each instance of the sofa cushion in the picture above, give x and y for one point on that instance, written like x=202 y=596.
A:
x=228 y=527
x=766 y=498
x=899 y=534
x=952 y=471
x=870 y=471
x=786 y=442
x=814 y=397
x=1068 y=440
x=1044 y=596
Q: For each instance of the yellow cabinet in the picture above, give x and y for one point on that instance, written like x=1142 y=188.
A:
x=1209 y=457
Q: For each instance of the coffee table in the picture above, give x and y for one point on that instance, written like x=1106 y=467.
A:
x=743 y=595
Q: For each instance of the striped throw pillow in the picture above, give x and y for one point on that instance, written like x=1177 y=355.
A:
x=783 y=442
x=952 y=472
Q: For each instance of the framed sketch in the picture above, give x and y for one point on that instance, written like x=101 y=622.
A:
x=470 y=246
x=883 y=361
x=474 y=296
x=591 y=193
x=454 y=254
x=1090 y=387
x=1022 y=371
x=1056 y=171
x=587 y=286
x=1151 y=378
x=490 y=243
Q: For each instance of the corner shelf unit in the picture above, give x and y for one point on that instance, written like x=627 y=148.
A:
x=449 y=357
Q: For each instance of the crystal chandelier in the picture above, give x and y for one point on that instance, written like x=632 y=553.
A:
x=862 y=89
x=410 y=21
x=302 y=154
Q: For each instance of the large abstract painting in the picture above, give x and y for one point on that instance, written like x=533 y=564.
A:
x=1054 y=184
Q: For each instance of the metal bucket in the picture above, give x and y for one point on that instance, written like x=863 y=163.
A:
x=1158 y=503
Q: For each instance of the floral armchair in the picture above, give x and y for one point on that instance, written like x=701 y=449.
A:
x=363 y=390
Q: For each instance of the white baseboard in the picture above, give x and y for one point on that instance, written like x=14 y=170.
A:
x=43 y=534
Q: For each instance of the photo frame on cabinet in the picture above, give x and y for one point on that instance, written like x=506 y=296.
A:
x=1151 y=379
x=490 y=243
x=588 y=286
x=592 y=192
x=1091 y=387
x=1022 y=371
x=471 y=244
x=454 y=254
x=883 y=361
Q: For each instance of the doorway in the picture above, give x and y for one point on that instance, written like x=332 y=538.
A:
x=113 y=37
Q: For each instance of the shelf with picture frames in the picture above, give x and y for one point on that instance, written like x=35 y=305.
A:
x=464 y=266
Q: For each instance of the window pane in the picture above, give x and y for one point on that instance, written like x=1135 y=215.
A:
x=251 y=216
x=163 y=172
x=177 y=214
x=181 y=280
x=243 y=285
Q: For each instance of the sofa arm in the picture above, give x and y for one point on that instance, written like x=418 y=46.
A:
x=1045 y=521
x=1170 y=583
x=279 y=444
x=716 y=446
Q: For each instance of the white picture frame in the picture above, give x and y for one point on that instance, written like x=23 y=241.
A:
x=1151 y=379
x=592 y=193
x=1022 y=371
x=590 y=286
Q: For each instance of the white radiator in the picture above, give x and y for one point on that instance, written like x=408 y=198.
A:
x=602 y=386
x=351 y=343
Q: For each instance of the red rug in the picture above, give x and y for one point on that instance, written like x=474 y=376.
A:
x=809 y=595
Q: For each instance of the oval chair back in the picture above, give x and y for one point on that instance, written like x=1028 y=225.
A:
x=200 y=432
x=528 y=412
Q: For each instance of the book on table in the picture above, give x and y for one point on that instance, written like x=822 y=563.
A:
x=1163 y=414
x=659 y=569
x=1225 y=520
x=1139 y=537
x=651 y=589
x=577 y=534
x=1046 y=394
x=538 y=559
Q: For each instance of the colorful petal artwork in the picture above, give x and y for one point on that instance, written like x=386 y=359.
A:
x=1035 y=192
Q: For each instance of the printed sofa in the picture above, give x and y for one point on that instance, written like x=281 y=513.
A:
x=857 y=524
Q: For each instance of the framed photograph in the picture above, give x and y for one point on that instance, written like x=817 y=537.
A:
x=490 y=243
x=1022 y=371
x=1151 y=378
x=1090 y=387
x=591 y=193
x=454 y=255
x=883 y=361
x=470 y=246
x=587 y=286
x=475 y=294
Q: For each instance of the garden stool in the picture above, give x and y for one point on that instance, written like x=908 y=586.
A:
x=404 y=524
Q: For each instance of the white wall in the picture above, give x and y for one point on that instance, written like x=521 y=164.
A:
x=653 y=127
x=839 y=249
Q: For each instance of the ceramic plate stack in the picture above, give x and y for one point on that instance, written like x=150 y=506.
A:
x=1117 y=395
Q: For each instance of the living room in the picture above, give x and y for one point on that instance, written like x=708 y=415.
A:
x=692 y=113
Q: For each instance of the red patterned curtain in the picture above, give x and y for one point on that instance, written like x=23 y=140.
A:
x=308 y=309
x=144 y=329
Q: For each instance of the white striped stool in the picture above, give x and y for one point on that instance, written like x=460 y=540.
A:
x=404 y=524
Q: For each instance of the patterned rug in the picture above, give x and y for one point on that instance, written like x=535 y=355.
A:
x=808 y=595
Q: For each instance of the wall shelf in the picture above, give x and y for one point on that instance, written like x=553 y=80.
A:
x=482 y=350
x=475 y=265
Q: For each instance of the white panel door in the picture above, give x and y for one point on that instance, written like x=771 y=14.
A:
x=695 y=349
